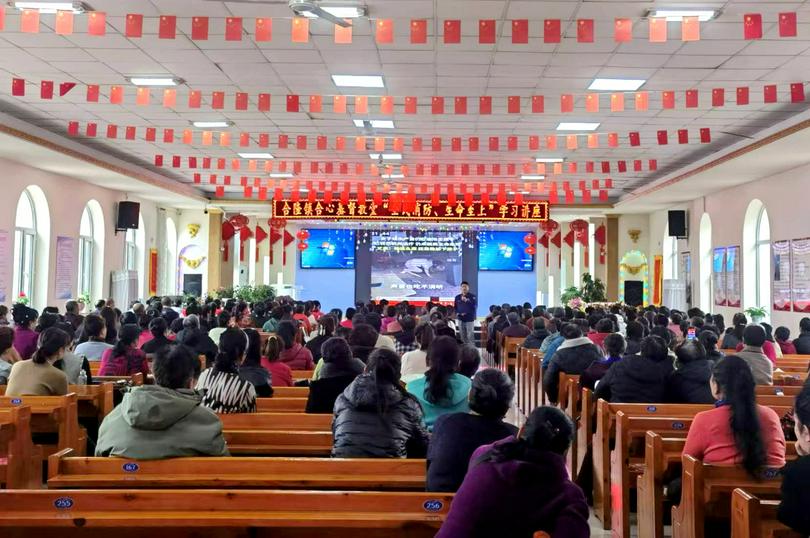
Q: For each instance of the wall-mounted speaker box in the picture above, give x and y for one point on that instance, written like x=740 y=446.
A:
x=677 y=223
x=128 y=213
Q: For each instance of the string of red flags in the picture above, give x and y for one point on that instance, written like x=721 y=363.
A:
x=447 y=32
x=639 y=101
x=421 y=169
x=382 y=143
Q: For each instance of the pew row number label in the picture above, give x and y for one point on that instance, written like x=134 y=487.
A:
x=433 y=505
x=63 y=503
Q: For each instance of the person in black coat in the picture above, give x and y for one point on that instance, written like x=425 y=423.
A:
x=338 y=371
x=540 y=333
x=573 y=357
x=375 y=417
x=635 y=334
x=198 y=340
x=615 y=347
x=802 y=342
x=708 y=339
x=457 y=435
x=689 y=383
x=326 y=330
x=638 y=378
x=793 y=510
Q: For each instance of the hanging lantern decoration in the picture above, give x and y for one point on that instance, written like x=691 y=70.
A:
x=580 y=229
x=600 y=237
x=530 y=250
x=238 y=221
x=549 y=227
x=303 y=245
x=302 y=235
x=277 y=222
x=530 y=239
x=228 y=231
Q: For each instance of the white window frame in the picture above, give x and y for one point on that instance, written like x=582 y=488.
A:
x=86 y=256
x=25 y=244
x=762 y=265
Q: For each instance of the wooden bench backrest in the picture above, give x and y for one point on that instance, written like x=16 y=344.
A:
x=291 y=392
x=778 y=390
x=659 y=454
x=51 y=414
x=585 y=426
x=755 y=518
x=281 y=405
x=277 y=421
x=279 y=443
x=134 y=379
x=302 y=374
x=22 y=466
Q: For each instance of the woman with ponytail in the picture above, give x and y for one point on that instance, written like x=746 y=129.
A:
x=224 y=391
x=38 y=376
x=441 y=390
x=737 y=431
x=375 y=417
x=734 y=334
x=520 y=485
x=25 y=337
x=125 y=358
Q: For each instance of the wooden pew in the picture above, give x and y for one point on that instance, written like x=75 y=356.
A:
x=521 y=380
x=779 y=390
x=135 y=379
x=291 y=392
x=569 y=402
x=660 y=454
x=585 y=426
x=51 y=414
x=298 y=375
x=20 y=460
x=277 y=422
x=536 y=395
x=220 y=513
x=279 y=442
x=281 y=405
x=755 y=518
x=509 y=352
x=65 y=471
x=93 y=400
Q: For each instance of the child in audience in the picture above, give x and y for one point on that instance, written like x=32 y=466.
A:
x=793 y=511
x=164 y=420
x=689 y=383
x=441 y=390
x=782 y=335
x=519 y=486
x=615 y=347
x=414 y=363
x=375 y=417
x=225 y=391
x=38 y=376
x=457 y=435
x=125 y=358
x=251 y=368
x=280 y=373
x=338 y=368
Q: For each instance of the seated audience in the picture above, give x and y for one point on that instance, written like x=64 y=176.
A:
x=469 y=360
x=615 y=348
x=338 y=369
x=414 y=363
x=225 y=391
x=689 y=382
x=72 y=315
x=125 y=358
x=782 y=335
x=519 y=486
x=734 y=334
x=280 y=373
x=164 y=420
x=362 y=339
x=405 y=340
x=538 y=335
x=383 y=340
x=515 y=329
x=375 y=417
x=390 y=317
x=38 y=376
x=572 y=357
x=738 y=431
x=638 y=378
x=350 y=312
x=25 y=337
x=110 y=317
x=168 y=312
x=457 y=435
x=8 y=355
x=634 y=335
x=224 y=320
x=325 y=330
x=708 y=339
x=793 y=511
x=272 y=322
x=95 y=335
x=294 y=355
x=604 y=328
x=762 y=367
x=802 y=342
x=441 y=390
x=194 y=337
x=251 y=369
x=158 y=328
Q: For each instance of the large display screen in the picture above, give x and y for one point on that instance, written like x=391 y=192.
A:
x=415 y=265
x=503 y=251
x=329 y=249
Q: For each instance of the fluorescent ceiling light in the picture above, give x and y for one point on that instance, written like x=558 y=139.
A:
x=376 y=124
x=358 y=81
x=387 y=156
x=577 y=126
x=342 y=12
x=393 y=176
x=703 y=15
x=256 y=155
x=281 y=175
x=520 y=192
x=616 y=84
x=154 y=81
x=52 y=7
x=210 y=124
x=549 y=160
x=532 y=177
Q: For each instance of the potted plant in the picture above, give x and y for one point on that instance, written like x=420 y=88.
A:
x=592 y=290
x=756 y=313
x=569 y=293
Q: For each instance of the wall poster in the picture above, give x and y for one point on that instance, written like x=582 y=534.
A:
x=733 y=284
x=800 y=269
x=685 y=275
x=65 y=267
x=780 y=279
x=5 y=254
x=719 y=276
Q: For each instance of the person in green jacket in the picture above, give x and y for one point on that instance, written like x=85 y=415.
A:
x=441 y=390
x=164 y=420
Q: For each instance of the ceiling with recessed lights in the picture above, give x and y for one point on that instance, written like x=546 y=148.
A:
x=722 y=58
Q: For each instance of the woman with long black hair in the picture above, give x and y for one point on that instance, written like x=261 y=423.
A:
x=38 y=376
x=225 y=390
x=125 y=358
x=734 y=334
x=251 y=367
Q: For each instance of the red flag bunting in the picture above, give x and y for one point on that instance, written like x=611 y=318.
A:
x=167 y=27
x=97 y=23
x=787 y=24
x=585 y=31
x=199 y=28
x=233 y=29
x=520 y=31
x=486 y=31
x=752 y=26
x=419 y=31
x=263 y=29
x=134 y=25
x=452 y=31
x=552 y=31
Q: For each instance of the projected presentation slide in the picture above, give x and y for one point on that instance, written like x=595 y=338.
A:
x=415 y=265
x=503 y=251
x=329 y=249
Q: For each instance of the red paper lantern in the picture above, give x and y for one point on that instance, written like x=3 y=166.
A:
x=302 y=235
x=530 y=250
x=530 y=239
x=238 y=221
x=277 y=223
x=302 y=246
x=549 y=227
x=579 y=227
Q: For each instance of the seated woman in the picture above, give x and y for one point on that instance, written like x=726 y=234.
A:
x=38 y=376
x=164 y=420
x=8 y=355
x=519 y=486
x=441 y=390
x=125 y=358
x=280 y=373
x=94 y=336
x=337 y=372
x=25 y=337
x=226 y=392
x=795 y=493
x=414 y=363
x=159 y=329
x=469 y=360
x=325 y=330
x=615 y=346
x=376 y=418
x=782 y=335
x=362 y=339
x=456 y=436
x=405 y=339
x=708 y=339
x=251 y=367
x=294 y=355
x=689 y=382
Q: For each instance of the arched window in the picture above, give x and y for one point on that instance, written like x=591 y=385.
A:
x=757 y=256
x=135 y=244
x=25 y=242
x=670 y=252
x=171 y=256
x=705 y=246
x=763 y=259
x=86 y=254
x=131 y=251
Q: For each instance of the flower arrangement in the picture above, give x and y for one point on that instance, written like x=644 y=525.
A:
x=577 y=304
x=22 y=299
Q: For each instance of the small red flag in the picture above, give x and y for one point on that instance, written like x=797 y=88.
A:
x=452 y=31
x=199 y=28
x=566 y=102
x=264 y=29
x=585 y=31
x=534 y=142
x=169 y=98
x=797 y=92
x=787 y=24
x=233 y=29
x=46 y=89
x=64 y=23
x=551 y=141
x=29 y=22
x=194 y=99
x=520 y=31
x=385 y=31
x=691 y=98
x=642 y=101
x=315 y=103
x=112 y=131
x=220 y=191
x=116 y=95
x=538 y=104
x=658 y=29
x=361 y=104
x=188 y=136
x=129 y=134
x=410 y=105
x=552 y=31
x=339 y=104
x=460 y=105
x=613 y=140
x=752 y=26
x=622 y=166
x=769 y=92
x=264 y=102
x=292 y=103
x=718 y=97
x=437 y=105
x=241 y=101
x=742 y=95
x=142 y=96
x=622 y=30
x=301 y=142
x=486 y=31
x=652 y=164
x=300 y=30
x=705 y=138
x=73 y=128
x=134 y=25
x=485 y=104
x=455 y=143
x=343 y=34
x=158 y=160
x=683 y=136
x=419 y=31
x=218 y=100
x=472 y=143
x=92 y=93
x=663 y=139
x=494 y=143
x=151 y=134
x=668 y=99
x=617 y=102
x=690 y=29
x=91 y=130
x=436 y=143
x=167 y=27
x=513 y=104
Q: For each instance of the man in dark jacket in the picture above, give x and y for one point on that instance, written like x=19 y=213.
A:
x=466 y=305
x=635 y=334
x=802 y=342
x=515 y=329
x=638 y=378
x=540 y=333
x=195 y=338
x=574 y=355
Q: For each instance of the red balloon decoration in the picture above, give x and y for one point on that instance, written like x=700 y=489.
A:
x=302 y=246
x=530 y=250
x=302 y=235
x=549 y=227
x=530 y=239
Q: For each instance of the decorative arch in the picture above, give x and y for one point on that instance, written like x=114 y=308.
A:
x=705 y=262
x=32 y=246
x=756 y=254
x=633 y=267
